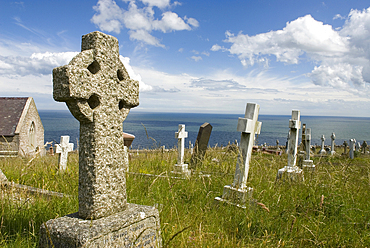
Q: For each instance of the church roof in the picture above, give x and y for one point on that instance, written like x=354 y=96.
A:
x=11 y=109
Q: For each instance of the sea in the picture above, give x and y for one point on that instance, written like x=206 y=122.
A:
x=153 y=130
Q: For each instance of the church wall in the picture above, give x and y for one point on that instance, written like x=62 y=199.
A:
x=9 y=143
x=31 y=135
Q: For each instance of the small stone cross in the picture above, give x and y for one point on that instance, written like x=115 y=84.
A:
x=99 y=93
x=294 y=125
x=332 y=152
x=248 y=126
x=180 y=136
x=307 y=142
x=322 y=151
x=63 y=148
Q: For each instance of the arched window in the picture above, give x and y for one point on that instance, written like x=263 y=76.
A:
x=32 y=135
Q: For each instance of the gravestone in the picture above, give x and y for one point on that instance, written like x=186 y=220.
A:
x=191 y=148
x=307 y=162
x=201 y=144
x=358 y=146
x=292 y=171
x=364 y=146
x=322 y=151
x=345 y=144
x=352 y=144
x=180 y=135
x=303 y=137
x=332 y=152
x=277 y=145
x=99 y=93
x=238 y=193
x=63 y=149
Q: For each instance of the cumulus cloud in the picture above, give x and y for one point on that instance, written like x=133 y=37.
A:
x=342 y=56
x=140 y=22
x=143 y=87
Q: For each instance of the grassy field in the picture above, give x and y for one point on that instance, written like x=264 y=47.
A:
x=330 y=208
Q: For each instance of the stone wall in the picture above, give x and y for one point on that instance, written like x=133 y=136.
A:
x=9 y=143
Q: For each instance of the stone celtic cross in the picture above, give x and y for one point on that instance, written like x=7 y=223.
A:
x=99 y=93
x=63 y=148
x=248 y=126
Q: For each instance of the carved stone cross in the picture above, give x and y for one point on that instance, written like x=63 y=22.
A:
x=99 y=93
x=180 y=135
x=63 y=148
x=248 y=126
x=294 y=125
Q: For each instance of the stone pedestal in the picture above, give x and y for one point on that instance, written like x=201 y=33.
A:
x=236 y=196
x=181 y=169
x=293 y=173
x=137 y=226
x=308 y=164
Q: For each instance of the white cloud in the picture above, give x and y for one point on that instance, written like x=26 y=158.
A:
x=143 y=87
x=196 y=58
x=342 y=56
x=140 y=22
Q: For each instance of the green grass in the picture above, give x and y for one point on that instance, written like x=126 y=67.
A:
x=330 y=208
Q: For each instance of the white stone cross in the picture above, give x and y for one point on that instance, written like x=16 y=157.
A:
x=248 y=126
x=332 y=152
x=308 y=163
x=238 y=193
x=63 y=148
x=322 y=151
x=294 y=125
x=180 y=135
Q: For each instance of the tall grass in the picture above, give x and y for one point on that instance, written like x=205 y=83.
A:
x=330 y=208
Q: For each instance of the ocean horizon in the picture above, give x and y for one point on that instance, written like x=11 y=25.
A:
x=153 y=130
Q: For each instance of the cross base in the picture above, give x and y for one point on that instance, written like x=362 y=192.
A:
x=137 y=226
x=181 y=169
x=236 y=196
x=308 y=164
x=293 y=173
x=322 y=152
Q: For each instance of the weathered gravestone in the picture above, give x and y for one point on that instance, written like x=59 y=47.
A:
x=180 y=135
x=63 y=149
x=364 y=146
x=322 y=151
x=99 y=93
x=303 y=137
x=277 y=145
x=307 y=162
x=292 y=171
x=238 y=193
x=352 y=144
x=332 y=152
x=201 y=144
x=345 y=144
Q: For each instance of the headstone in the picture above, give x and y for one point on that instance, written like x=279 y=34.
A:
x=352 y=144
x=363 y=146
x=201 y=144
x=238 y=193
x=99 y=93
x=307 y=162
x=358 y=146
x=303 y=137
x=322 y=151
x=51 y=151
x=332 y=152
x=191 y=148
x=292 y=171
x=345 y=144
x=277 y=145
x=63 y=149
x=180 y=135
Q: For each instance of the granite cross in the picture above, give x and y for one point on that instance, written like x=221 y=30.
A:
x=99 y=93
x=63 y=148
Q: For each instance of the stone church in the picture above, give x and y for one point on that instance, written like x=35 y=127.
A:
x=21 y=130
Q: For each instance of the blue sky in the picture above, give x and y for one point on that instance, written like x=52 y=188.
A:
x=209 y=56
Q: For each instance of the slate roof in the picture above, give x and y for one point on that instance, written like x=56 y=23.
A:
x=11 y=109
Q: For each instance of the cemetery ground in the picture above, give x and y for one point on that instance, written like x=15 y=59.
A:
x=330 y=208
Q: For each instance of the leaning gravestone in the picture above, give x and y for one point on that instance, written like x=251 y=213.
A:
x=238 y=193
x=180 y=167
x=201 y=144
x=291 y=169
x=99 y=93
x=63 y=149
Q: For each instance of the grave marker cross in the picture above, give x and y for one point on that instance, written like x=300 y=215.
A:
x=248 y=126
x=99 y=93
x=181 y=135
x=294 y=125
x=63 y=148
